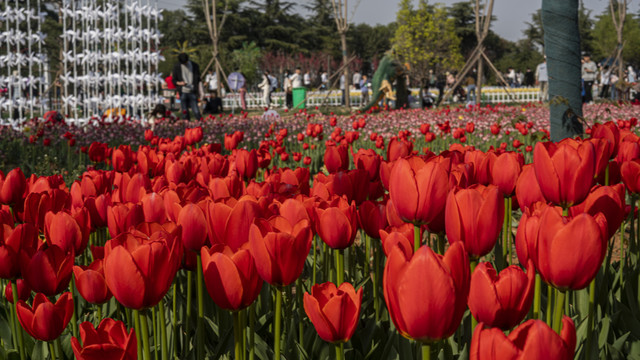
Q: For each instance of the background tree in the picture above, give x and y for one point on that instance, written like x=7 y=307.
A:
x=425 y=38
x=341 y=16
x=605 y=40
x=562 y=47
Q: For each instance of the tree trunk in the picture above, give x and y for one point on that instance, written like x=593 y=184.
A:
x=479 y=82
x=345 y=60
x=562 y=47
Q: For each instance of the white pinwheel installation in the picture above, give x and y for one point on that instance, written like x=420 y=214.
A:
x=23 y=65
x=110 y=57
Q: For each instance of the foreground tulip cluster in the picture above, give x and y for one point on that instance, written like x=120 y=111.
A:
x=178 y=249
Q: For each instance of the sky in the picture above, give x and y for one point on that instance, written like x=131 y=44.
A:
x=511 y=15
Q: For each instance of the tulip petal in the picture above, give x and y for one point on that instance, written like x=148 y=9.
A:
x=124 y=278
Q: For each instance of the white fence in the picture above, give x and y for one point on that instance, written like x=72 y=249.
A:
x=334 y=98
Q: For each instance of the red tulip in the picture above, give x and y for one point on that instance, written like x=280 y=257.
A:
x=11 y=242
x=532 y=340
x=61 y=229
x=505 y=172
x=527 y=187
x=337 y=225
x=280 y=249
x=91 y=283
x=565 y=171
x=336 y=158
x=24 y=291
x=138 y=269
x=47 y=270
x=610 y=132
x=368 y=160
x=398 y=148
x=630 y=171
x=418 y=189
x=194 y=227
x=334 y=311
x=395 y=239
x=153 y=208
x=12 y=187
x=372 y=217
x=246 y=163
x=109 y=341
x=231 y=278
x=230 y=225
x=474 y=216
x=122 y=217
x=44 y=320
x=608 y=200
x=427 y=313
x=570 y=251
x=501 y=300
x=528 y=229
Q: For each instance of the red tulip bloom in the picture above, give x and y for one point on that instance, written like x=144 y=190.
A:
x=395 y=239
x=527 y=187
x=91 y=283
x=122 y=217
x=12 y=187
x=153 y=208
x=630 y=171
x=336 y=158
x=608 y=200
x=47 y=270
x=24 y=291
x=427 y=294
x=194 y=227
x=569 y=251
x=109 y=341
x=44 y=320
x=61 y=229
x=139 y=270
x=337 y=225
x=501 y=300
x=565 y=171
x=532 y=340
x=232 y=279
x=230 y=225
x=280 y=249
x=610 y=132
x=368 y=160
x=372 y=217
x=418 y=189
x=528 y=229
x=474 y=216
x=334 y=311
x=11 y=242
x=506 y=171
x=398 y=148
x=246 y=163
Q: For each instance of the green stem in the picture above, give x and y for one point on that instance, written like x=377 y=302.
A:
x=154 y=325
x=376 y=275
x=339 y=266
x=536 y=297
x=416 y=238
x=508 y=228
x=189 y=301
x=175 y=322
x=426 y=351
x=632 y=239
x=474 y=322
x=505 y=241
x=200 y=329
x=549 y=302
x=367 y=254
x=300 y=312
x=315 y=245
x=138 y=328
x=592 y=302
x=237 y=338
x=278 y=320
x=52 y=350
x=559 y=311
x=163 y=330
x=441 y=243
x=340 y=351
x=252 y=332
x=74 y=318
x=14 y=290
x=144 y=325
x=98 y=314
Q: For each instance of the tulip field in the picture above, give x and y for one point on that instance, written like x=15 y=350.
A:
x=453 y=233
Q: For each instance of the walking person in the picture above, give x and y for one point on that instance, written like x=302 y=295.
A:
x=605 y=81
x=364 y=88
x=265 y=85
x=288 y=90
x=542 y=80
x=186 y=76
x=589 y=75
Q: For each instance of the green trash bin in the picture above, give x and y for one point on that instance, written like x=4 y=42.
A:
x=299 y=98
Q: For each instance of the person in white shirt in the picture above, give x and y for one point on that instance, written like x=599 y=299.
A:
x=324 y=79
x=307 y=79
x=542 y=80
x=344 y=93
x=356 y=79
x=296 y=79
x=265 y=85
x=288 y=90
x=211 y=80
